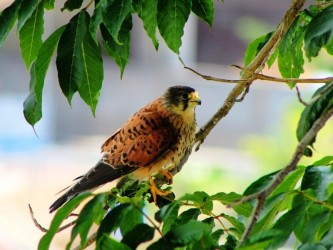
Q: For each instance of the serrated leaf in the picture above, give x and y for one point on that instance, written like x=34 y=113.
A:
x=27 y=7
x=204 y=9
x=87 y=216
x=32 y=106
x=139 y=234
x=69 y=61
x=119 y=52
x=71 y=5
x=319 y=32
x=318 y=178
x=183 y=234
x=7 y=19
x=114 y=15
x=31 y=35
x=290 y=55
x=171 y=18
x=168 y=214
x=314 y=110
x=90 y=86
x=107 y=243
x=226 y=199
x=60 y=216
x=147 y=11
x=112 y=220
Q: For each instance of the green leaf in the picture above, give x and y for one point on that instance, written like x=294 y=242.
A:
x=326 y=160
x=7 y=19
x=236 y=223
x=204 y=9
x=120 y=53
x=261 y=240
x=32 y=107
x=70 y=64
x=31 y=35
x=318 y=178
x=147 y=11
x=314 y=110
x=49 y=4
x=252 y=50
x=167 y=214
x=312 y=246
x=327 y=240
x=112 y=220
x=289 y=182
x=290 y=56
x=114 y=15
x=308 y=230
x=183 y=234
x=319 y=32
x=90 y=86
x=171 y=18
x=88 y=215
x=260 y=184
x=96 y=19
x=286 y=224
x=133 y=217
x=242 y=209
x=27 y=7
x=139 y=234
x=190 y=214
x=107 y=243
x=71 y=5
x=60 y=216
x=201 y=200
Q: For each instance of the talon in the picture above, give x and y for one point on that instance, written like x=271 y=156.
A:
x=156 y=191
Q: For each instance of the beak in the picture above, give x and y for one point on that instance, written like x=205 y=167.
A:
x=194 y=97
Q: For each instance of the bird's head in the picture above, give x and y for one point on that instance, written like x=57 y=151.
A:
x=181 y=99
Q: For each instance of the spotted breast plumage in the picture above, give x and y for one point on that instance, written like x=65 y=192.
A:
x=157 y=139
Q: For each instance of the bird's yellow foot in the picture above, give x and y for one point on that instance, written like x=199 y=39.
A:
x=156 y=191
x=167 y=175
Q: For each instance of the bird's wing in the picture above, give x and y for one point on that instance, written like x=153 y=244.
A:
x=143 y=140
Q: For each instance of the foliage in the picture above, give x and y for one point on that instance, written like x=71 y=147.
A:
x=300 y=207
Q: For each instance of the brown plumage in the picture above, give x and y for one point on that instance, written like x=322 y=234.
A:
x=156 y=139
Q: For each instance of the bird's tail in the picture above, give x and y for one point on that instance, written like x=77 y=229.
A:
x=97 y=176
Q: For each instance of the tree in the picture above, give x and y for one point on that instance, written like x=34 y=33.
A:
x=296 y=200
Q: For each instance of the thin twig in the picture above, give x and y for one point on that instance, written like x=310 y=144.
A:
x=300 y=97
x=255 y=66
x=291 y=166
x=259 y=76
x=43 y=229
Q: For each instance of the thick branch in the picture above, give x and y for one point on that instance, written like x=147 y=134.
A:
x=255 y=66
x=291 y=166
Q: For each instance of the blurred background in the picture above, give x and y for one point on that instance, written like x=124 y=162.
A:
x=257 y=136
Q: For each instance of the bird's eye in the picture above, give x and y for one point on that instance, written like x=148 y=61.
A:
x=185 y=96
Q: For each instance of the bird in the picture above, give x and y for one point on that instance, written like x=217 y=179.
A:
x=157 y=139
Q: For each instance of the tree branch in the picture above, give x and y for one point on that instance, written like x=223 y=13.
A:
x=291 y=166
x=255 y=66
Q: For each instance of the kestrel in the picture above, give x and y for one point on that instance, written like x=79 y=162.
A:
x=157 y=139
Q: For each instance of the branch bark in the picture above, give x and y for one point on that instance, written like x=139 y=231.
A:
x=255 y=66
